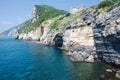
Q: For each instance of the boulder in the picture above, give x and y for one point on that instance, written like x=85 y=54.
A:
x=118 y=74
x=69 y=53
x=76 y=57
x=117 y=61
x=85 y=55
x=90 y=59
x=68 y=27
x=108 y=70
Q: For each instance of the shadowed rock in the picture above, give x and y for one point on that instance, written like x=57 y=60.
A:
x=58 y=39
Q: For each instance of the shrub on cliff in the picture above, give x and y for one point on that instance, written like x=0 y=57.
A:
x=54 y=24
x=108 y=3
x=105 y=3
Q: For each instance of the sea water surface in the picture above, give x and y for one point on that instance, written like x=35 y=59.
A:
x=26 y=60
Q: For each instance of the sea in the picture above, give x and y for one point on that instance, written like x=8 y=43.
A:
x=28 y=60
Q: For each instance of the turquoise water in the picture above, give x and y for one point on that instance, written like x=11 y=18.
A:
x=25 y=60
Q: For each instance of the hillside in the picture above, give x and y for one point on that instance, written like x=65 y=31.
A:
x=41 y=13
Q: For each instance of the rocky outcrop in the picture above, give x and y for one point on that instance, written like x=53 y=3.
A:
x=81 y=35
x=33 y=35
x=13 y=32
x=106 y=36
x=40 y=34
x=79 y=41
x=99 y=30
x=76 y=10
x=35 y=16
x=83 y=54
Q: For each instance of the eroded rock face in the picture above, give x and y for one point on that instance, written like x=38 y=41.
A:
x=100 y=30
x=106 y=36
x=82 y=35
x=58 y=39
x=82 y=56
x=79 y=41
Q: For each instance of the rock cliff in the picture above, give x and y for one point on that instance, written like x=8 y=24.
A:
x=106 y=36
x=99 y=30
x=88 y=35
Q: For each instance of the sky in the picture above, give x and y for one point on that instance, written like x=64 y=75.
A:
x=15 y=12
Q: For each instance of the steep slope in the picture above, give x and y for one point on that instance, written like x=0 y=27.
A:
x=40 y=13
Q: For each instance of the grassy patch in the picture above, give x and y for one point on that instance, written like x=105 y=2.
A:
x=54 y=24
x=57 y=21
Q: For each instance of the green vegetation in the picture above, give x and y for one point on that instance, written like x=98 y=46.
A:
x=57 y=21
x=54 y=24
x=93 y=7
x=108 y=3
x=42 y=13
x=27 y=26
x=75 y=17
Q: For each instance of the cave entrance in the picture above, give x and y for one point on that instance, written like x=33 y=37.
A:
x=116 y=46
x=58 y=39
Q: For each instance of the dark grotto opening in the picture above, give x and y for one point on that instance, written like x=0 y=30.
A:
x=58 y=39
x=116 y=46
x=114 y=41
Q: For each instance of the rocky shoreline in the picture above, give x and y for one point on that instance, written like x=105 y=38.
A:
x=93 y=35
